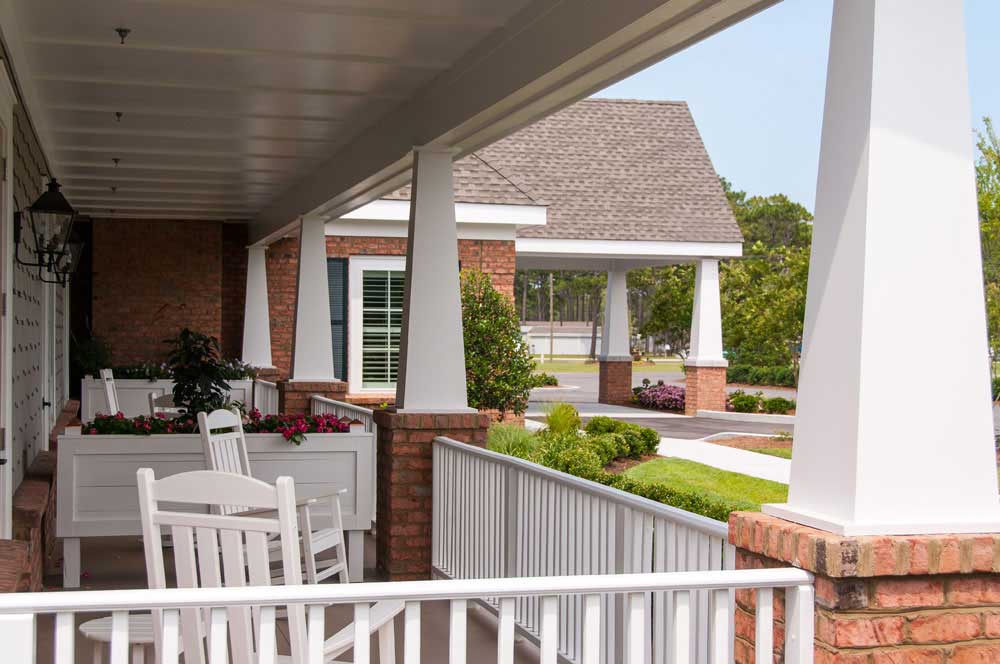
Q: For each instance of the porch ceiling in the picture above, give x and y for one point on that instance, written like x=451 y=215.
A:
x=264 y=110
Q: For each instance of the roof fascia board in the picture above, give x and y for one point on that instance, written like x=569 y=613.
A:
x=480 y=213
x=625 y=249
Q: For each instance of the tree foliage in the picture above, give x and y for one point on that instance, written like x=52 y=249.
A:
x=988 y=197
x=498 y=364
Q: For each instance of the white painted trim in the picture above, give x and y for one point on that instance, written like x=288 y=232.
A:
x=478 y=213
x=531 y=246
x=378 y=228
x=356 y=266
x=7 y=101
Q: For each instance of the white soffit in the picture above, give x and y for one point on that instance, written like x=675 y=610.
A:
x=469 y=213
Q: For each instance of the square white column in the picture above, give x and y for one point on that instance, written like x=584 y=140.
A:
x=432 y=349
x=256 y=315
x=615 y=343
x=706 y=317
x=881 y=446
x=312 y=354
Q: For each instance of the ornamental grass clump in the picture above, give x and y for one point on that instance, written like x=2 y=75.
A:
x=663 y=397
x=511 y=440
x=562 y=418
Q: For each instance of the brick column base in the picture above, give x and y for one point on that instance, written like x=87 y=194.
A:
x=923 y=599
x=294 y=396
x=614 y=381
x=704 y=389
x=405 y=485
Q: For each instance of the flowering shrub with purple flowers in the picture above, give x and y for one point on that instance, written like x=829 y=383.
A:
x=662 y=397
x=292 y=427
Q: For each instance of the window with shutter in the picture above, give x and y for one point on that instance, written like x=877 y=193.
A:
x=336 y=274
x=382 y=320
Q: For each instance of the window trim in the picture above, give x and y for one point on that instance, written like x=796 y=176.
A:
x=357 y=265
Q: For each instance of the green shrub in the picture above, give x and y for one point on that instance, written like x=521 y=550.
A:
x=498 y=364
x=567 y=452
x=781 y=376
x=640 y=440
x=542 y=379
x=996 y=389
x=511 y=440
x=741 y=402
x=608 y=446
x=777 y=405
x=199 y=373
x=562 y=418
x=698 y=502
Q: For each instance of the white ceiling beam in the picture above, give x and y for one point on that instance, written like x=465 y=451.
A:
x=192 y=113
x=194 y=135
x=548 y=56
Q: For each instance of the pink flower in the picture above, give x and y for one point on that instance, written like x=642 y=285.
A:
x=119 y=415
x=93 y=431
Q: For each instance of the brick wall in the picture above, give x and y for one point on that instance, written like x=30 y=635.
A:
x=495 y=257
x=930 y=599
x=614 y=382
x=153 y=278
x=234 y=287
x=704 y=389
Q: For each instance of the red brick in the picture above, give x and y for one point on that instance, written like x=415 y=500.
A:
x=614 y=382
x=705 y=389
x=909 y=656
x=992 y=625
x=860 y=632
x=944 y=628
x=976 y=590
x=909 y=593
x=975 y=654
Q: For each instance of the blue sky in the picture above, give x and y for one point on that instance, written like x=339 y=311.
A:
x=756 y=91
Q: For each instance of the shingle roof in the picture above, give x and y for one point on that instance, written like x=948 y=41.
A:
x=608 y=169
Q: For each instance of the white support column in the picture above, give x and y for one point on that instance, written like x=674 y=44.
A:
x=432 y=351
x=896 y=271
x=706 y=317
x=312 y=358
x=614 y=333
x=256 y=315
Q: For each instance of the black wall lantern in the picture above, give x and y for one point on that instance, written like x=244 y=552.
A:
x=50 y=223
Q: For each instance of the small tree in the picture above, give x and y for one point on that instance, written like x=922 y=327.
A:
x=199 y=373
x=498 y=364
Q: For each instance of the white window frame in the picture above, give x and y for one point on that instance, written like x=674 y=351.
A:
x=356 y=267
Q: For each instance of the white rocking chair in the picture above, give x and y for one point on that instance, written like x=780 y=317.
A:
x=225 y=448
x=215 y=550
x=162 y=404
x=110 y=391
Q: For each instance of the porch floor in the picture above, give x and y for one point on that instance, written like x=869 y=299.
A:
x=118 y=562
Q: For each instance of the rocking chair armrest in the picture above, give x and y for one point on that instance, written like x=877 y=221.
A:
x=299 y=503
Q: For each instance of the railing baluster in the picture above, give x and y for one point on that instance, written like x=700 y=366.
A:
x=505 y=631
x=314 y=643
x=636 y=628
x=457 y=632
x=682 y=627
x=362 y=633
x=721 y=636
x=171 y=637
x=219 y=651
x=764 y=635
x=266 y=643
x=17 y=634
x=591 y=629
x=411 y=634
x=65 y=637
x=549 y=630
x=799 y=626
x=119 y=637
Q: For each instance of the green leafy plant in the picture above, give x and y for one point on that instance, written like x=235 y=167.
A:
x=145 y=371
x=749 y=374
x=199 y=375
x=498 y=364
x=562 y=418
x=777 y=405
x=511 y=440
x=638 y=440
x=742 y=402
x=89 y=356
x=542 y=379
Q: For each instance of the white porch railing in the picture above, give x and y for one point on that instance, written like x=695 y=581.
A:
x=265 y=396
x=18 y=614
x=322 y=406
x=497 y=516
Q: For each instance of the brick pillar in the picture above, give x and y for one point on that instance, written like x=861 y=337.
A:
x=294 y=396
x=614 y=382
x=405 y=483
x=922 y=599
x=704 y=389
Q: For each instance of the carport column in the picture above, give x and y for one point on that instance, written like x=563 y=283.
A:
x=431 y=395
x=882 y=484
x=312 y=349
x=256 y=317
x=615 y=376
x=705 y=367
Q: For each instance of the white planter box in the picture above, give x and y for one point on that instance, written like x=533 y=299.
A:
x=133 y=395
x=97 y=494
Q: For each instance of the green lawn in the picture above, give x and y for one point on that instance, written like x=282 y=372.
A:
x=579 y=366
x=685 y=474
x=783 y=452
